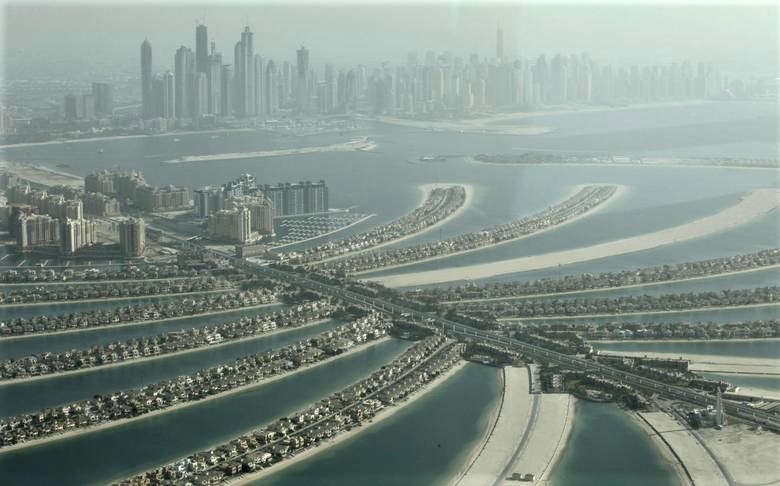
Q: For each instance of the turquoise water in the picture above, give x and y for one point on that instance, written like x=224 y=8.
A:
x=606 y=448
x=110 y=454
x=423 y=444
x=27 y=397
x=769 y=348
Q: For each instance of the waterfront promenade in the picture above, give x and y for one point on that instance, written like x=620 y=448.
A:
x=753 y=205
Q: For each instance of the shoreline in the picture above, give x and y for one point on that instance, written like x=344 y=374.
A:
x=124 y=137
x=615 y=289
x=621 y=190
x=640 y=313
x=476 y=451
x=352 y=146
x=381 y=416
x=708 y=363
x=664 y=450
x=137 y=323
x=620 y=164
x=11 y=285
x=111 y=299
x=178 y=406
x=425 y=189
x=13 y=381
x=757 y=203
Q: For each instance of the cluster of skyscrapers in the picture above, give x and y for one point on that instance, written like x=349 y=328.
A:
x=203 y=84
x=242 y=211
x=97 y=104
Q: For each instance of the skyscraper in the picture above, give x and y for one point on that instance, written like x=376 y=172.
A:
x=201 y=48
x=215 y=81
x=245 y=74
x=499 y=44
x=132 y=237
x=146 y=79
x=104 y=103
x=302 y=94
x=184 y=76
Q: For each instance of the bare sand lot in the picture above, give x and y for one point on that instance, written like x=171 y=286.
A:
x=753 y=205
x=749 y=456
x=699 y=465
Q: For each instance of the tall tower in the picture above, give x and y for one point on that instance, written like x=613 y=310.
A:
x=245 y=74
x=146 y=79
x=499 y=44
x=302 y=80
x=201 y=48
x=184 y=75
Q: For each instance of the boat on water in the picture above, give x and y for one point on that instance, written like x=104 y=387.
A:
x=177 y=140
x=100 y=151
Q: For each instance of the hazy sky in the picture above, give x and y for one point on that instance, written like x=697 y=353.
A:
x=93 y=37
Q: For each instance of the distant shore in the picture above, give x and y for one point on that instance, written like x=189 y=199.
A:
x=356 y=145
x=52 y=376
x=381 y=416
x=178 y=406
x=757 y=203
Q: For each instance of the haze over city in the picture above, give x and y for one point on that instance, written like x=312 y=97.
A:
x=426 y=244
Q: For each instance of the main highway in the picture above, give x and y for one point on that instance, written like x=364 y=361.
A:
x=736 y=409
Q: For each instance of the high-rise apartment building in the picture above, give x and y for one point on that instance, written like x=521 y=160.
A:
x=132 y=237
x=184 y=78
x=244 y=76
x=146 y=79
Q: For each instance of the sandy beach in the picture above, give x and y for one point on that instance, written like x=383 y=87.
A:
x=698 y=464
x=382 y=415
x=136 y=323
x=116 y=423
x=595 y=342
x=621 y=189
x=159 y=356
x=616 y=289
x=757 y=203
x=528 y=436
x=44 y=176
x=355 y=145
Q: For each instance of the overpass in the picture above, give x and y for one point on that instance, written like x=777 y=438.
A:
x=743 y=411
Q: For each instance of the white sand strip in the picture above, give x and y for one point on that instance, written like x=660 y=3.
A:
x=382 y=415
x=750 y=457
x=620 y=190
x=757 y=203
x=507 y=434
x=548 y=437
x=696 y=460
x=362 y=145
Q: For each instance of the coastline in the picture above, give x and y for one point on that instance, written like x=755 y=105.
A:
x=757 y=203
x=652 y=341
x=621 y=190
x=382 y=415
x=425 y=189
x=178 y=406
x=640 y=313
x=353 y=146
x=13 y=381
x=664 y=450
x=112 y=299
x=713 y=363
x=11 y=285
x=615 y=289
x=137 y=323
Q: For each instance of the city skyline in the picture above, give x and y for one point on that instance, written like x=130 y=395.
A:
x=666 y=34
